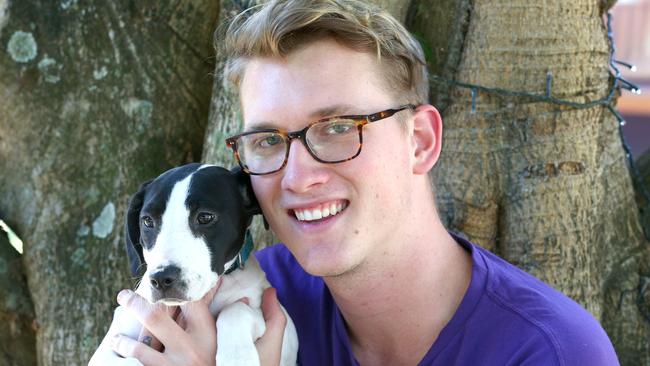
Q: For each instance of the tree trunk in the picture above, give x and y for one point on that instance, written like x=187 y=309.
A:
x=17 y=336
x=94 y=99
x=643 y=192
x=546 y=187
x=225 y=113
x=643 y=201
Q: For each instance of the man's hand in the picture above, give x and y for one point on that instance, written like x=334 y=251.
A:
x=194 y=345
x=269 y=345
x=191 y=338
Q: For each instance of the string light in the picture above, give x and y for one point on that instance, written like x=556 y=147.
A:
x=623 y=63
x=629 y=66
x=630 y=86
x=617 y=83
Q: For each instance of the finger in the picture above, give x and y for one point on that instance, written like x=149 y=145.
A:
x=153 y=317
x=209 y=296
x=271 y=308
x=245 y=300
x=199 y=322
x=127 y=347
x=269 y=346
x=147 y=338
x=206 y=300
x=200 y=327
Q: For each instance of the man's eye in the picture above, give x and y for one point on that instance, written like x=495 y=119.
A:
x=338 y=128
x=204 y=218
x=147 y=221
x=268 y=141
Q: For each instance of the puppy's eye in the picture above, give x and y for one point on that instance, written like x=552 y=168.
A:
x=204 y=218
x=147 y=221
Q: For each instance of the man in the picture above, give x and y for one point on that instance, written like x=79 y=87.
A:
x=367 y=271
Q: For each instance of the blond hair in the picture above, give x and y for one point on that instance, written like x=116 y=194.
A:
x=279 y=27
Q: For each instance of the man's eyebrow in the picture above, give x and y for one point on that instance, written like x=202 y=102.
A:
x=329 y=111
x=262 y=125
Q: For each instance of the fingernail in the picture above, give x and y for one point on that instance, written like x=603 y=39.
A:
x=124 y=296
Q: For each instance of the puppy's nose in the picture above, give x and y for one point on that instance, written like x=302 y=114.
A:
x=165 y=278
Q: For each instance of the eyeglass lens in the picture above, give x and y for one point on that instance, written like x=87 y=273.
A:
x=329 y=141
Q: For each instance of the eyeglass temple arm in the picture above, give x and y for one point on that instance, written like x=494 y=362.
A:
x=387 y=113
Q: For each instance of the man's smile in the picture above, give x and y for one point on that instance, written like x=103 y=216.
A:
x=319 y=211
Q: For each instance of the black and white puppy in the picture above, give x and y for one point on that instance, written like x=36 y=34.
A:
x=187 y=228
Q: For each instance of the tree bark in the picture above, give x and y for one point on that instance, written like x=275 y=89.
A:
x=643 y=191
x=95 y=98
x=225 y=113
x=441 y=27
x=17 y=336
x=643 y=202
x=545 y=187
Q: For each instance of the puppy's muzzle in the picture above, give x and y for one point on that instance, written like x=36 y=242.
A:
x=166 y=283
x=165 y=279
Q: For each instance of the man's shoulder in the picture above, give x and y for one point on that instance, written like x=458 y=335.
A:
x=276 y=259
x=542 y=315
x=273 y=254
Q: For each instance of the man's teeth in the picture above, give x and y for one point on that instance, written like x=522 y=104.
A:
x=320 y=212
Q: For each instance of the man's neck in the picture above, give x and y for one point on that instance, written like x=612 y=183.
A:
x=396 y=305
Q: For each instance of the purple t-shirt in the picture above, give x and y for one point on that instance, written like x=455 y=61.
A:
x=507 y=317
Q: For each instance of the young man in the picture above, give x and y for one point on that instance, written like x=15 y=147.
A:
x=367 y=271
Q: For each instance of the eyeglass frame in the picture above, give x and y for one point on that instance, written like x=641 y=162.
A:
x=359 y=119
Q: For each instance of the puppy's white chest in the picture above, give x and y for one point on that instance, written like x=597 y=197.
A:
x=248 y=282
x=239 y=324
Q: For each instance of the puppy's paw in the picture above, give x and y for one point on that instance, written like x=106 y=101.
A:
x=238 y=358
x=111 y=359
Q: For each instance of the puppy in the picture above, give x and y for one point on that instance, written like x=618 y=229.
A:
x=188 y=228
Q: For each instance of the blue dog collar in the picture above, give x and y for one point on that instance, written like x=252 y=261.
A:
x=243 y=254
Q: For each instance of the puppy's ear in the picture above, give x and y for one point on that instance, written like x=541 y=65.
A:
x=132 y=231
x=251 y=206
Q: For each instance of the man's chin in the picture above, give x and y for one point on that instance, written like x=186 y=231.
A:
x=325 y=261
x=333 y=270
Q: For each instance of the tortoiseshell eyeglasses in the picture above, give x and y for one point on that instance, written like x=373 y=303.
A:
x=330 y=140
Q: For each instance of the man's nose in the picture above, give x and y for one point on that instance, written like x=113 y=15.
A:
x=302 y=172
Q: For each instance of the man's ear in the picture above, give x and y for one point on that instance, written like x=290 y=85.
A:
x=132 y=232
x=426 y=138
x=251 y=206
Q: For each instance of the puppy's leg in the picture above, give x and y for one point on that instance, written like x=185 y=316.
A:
x=123 y=323
x=238 y=327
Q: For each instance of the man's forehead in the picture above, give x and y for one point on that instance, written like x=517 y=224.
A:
x=320 y=80
x=316 y=114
